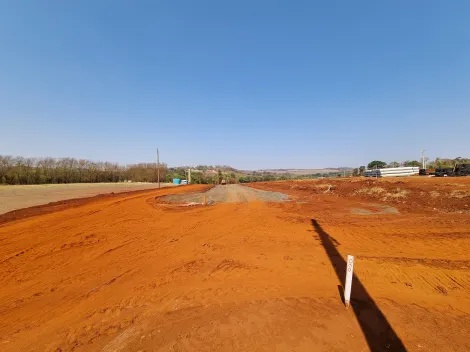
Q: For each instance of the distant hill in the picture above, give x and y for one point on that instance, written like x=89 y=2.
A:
x=301 y=171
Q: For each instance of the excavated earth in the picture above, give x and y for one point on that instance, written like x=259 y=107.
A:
x=249 y=271
x=225 y=194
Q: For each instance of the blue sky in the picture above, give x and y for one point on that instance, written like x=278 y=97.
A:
x=252 y=84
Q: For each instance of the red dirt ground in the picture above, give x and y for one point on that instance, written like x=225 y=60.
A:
x=58 y=206
x=126 y=273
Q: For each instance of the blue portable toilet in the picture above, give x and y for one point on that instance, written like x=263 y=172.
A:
x=176 y=181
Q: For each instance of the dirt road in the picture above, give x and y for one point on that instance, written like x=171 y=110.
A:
x=131 y=274
x=227 y=194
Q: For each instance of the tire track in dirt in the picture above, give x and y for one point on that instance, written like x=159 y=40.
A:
x=234 y=276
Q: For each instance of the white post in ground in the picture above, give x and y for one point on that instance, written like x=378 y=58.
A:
x=349 y=276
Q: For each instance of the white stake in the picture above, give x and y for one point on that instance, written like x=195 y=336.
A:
x=349 y=276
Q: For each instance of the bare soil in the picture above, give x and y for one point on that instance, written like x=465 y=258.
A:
x=226 y=194
x=128 y=273
x=23 y=196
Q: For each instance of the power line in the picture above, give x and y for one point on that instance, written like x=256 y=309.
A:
x=158 y=169
x=423 y=158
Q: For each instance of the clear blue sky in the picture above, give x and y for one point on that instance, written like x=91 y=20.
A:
x=253 y=84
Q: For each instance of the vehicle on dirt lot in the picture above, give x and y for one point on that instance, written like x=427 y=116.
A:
x=457 y=170
x=444 y=172
x=462 y=170
x=223 y=182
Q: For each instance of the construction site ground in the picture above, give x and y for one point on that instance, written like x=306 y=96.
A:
x=225 y=194
x=22 y=196
x=139 y=272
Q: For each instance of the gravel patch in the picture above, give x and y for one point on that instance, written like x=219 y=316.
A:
x=226 y=194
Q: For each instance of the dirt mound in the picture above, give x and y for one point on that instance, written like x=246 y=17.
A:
x=15 y=197
x=411 y=194
x=60 y=205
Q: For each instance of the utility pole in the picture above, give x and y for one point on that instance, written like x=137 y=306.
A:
x=189 y=176
x=158 y=169
x=423 y=158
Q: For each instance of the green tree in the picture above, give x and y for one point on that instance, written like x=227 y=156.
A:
x=415 y=163
x=243 y=179
x=15 y=180
x=376 y=164
x=394 y=164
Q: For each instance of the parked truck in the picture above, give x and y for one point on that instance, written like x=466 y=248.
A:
x=462 y=170
x=444 y=172
x=457 y=170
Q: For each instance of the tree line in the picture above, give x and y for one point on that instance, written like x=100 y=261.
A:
x=266 y=176
x=28 y=171
x=438 y=163
x=430 y=164
x=16 y=170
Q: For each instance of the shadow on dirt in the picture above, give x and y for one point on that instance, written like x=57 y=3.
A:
x=377 y=330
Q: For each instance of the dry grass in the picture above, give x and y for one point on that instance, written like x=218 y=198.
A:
x=370 y=191
x=314 y=188
x=299 y=187
x=326 y=187
x=459 y=194
x=397 y=194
